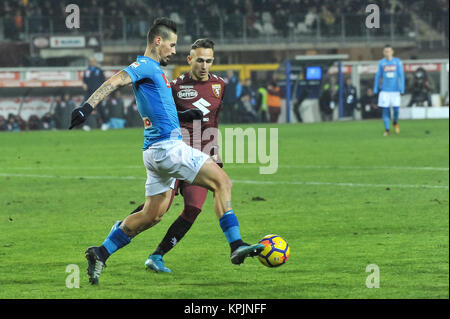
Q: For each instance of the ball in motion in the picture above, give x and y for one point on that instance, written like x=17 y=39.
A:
x=276 y=251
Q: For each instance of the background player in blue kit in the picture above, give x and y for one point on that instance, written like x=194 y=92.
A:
x=166 y=157
x=390 y=72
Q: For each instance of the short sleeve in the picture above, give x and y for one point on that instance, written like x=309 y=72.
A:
x=137 y=71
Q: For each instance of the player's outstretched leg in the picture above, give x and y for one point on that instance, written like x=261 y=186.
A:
x=122 y=233
x=97 y=256
x=155 y=263
x=215 y=179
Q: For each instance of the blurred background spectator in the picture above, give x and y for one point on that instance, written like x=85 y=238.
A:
x=350 y=98
x=63 y=111
x=274 y=101
x=369 y=108
x=262 y=104
x=328 y=99
x=115 y=111
x=231 y=96
x=421 y=89
x=133 y=118
x=93 y=77
x=15 y=123
x=3 y=123
x=34 y=123
x=48 y=122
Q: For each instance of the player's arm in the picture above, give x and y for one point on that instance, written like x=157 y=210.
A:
x=377 y=78
x=401 y=76
x=118 y=80
x=190 y=115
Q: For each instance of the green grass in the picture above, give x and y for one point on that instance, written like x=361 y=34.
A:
x=358 y=198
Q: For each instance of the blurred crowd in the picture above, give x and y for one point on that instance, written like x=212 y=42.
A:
x=209 y=17
x=247 y=102
x=243 y=103
x=109 y=115
x=250 y=102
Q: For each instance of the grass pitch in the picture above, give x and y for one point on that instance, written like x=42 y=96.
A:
x=344 y=197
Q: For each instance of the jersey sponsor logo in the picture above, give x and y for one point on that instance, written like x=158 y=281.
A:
x=186 y=86
x=187 y=94
x=389 y=68
x=135 y=64
x=202 y=105
x=147 y=122
x=216 y=89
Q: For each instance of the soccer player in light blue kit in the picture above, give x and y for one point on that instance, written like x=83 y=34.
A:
x=390 y=71
x=166 y=157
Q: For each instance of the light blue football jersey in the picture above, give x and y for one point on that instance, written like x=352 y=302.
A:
x=392 y=75
x=154 y=100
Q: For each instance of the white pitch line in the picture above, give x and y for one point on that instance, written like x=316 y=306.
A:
x=426 y=168
x=243 y=166
x=341 y=184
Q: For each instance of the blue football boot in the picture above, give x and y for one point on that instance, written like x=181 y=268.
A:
x=156 y=263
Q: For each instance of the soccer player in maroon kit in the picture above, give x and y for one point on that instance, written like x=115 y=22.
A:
x=198 y=96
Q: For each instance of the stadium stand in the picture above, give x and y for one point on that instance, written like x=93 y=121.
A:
x=412 y=26
x=233 y=18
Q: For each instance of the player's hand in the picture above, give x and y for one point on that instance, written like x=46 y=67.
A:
x=190 y=115
x=80 y=114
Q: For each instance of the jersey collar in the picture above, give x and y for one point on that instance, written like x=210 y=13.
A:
x=148 y=58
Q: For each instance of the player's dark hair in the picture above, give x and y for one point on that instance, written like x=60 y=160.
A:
x=388 y=46
x=161 y=27
x=203 y=43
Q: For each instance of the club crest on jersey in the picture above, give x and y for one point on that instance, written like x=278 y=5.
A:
x=147 y=122
x=187 y=94
x=216 y=89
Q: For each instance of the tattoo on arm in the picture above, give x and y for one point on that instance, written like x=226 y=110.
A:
x=103 y=91
x=117 y=80
x=124 y=76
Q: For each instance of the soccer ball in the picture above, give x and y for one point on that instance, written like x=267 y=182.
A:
x=276 y=252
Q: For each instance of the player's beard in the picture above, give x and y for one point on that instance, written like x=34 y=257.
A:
x=164 y=62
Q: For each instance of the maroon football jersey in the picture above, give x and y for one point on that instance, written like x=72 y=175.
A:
x=205 y=96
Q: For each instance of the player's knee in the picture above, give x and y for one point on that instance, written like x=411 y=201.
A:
x=151 y=216
x=151 y=220
x=190 y=213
